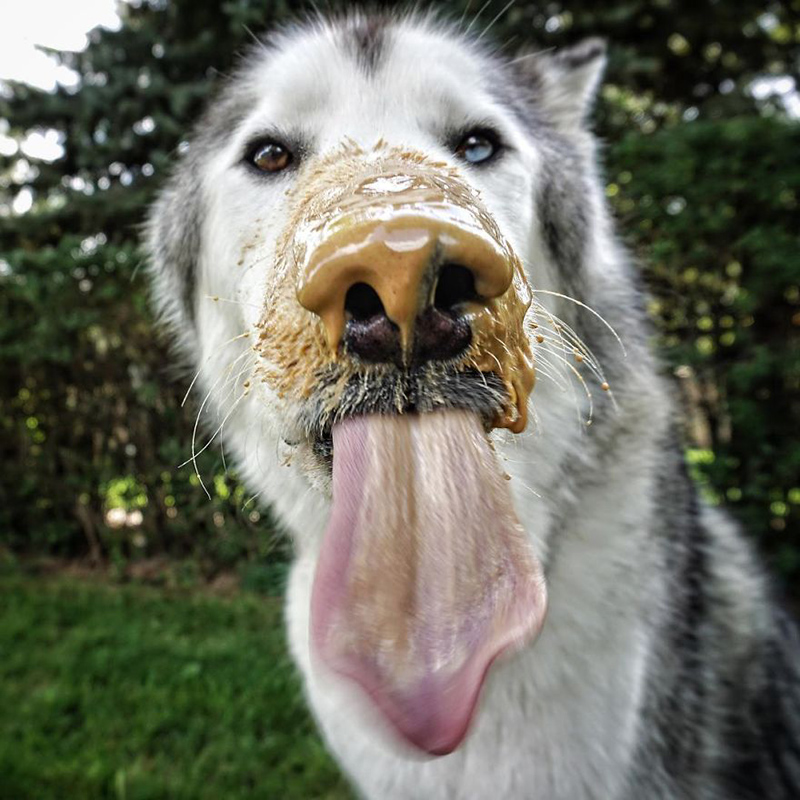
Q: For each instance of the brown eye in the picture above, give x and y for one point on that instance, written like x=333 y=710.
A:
x=477 y=147
x=271 y=157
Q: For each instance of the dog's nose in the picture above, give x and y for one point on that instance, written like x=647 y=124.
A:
x=403 y=289
x=440 y=331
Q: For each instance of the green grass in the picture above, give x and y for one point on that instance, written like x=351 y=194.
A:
x=135 y=693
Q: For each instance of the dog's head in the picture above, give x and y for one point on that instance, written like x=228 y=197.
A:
x=347 y=252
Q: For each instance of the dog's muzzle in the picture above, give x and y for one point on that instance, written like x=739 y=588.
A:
x=402 y=265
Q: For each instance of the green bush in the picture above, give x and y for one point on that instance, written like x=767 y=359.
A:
x=704 y=180
x=712 y=207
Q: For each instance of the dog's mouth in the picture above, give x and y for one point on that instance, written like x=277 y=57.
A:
x=390 y=392
x=425 y=575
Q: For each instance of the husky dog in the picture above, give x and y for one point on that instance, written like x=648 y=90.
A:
x=381 y=235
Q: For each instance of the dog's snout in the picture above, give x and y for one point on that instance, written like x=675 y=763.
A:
x=402 y=289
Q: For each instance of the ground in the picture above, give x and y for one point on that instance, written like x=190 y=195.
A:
x=135 y=692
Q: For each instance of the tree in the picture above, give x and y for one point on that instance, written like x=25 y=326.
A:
x=702 y=173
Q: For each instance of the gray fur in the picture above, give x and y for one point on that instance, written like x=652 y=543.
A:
x=174 y=227
x=367 y=36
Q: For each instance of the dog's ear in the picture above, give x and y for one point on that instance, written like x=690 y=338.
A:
x=172 y=245
x=566 y=81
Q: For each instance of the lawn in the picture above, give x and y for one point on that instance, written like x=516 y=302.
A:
x=133 y=693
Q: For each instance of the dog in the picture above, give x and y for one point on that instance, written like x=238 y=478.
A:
x=387 y=256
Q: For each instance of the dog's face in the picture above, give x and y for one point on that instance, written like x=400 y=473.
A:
x=347 y=252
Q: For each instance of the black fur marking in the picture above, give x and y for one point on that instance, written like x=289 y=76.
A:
x=683 y=745
x=176 y=220
x=720 y=716
x=765 y=730
x=581 y=54
x=564 y=216
x=368 y=41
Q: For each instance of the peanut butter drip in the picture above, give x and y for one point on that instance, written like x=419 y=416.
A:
x=390 y=219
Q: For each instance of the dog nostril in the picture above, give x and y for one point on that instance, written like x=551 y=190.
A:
x=368 y=332
x=362 y=302
x=456 y=285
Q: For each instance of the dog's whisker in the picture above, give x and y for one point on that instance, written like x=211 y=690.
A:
x=195 y=452
x=587 y=391
x=508 y=42
x=464 y=13
x=193 y=458
x=219 y=428
x=581 y=350
x=562 y=369
x=251 y=499
x=525 y=486
x=590 y=310
x=217 y=299
x=497 y=17
x=211 y=355
x=551 y=376
x=538 y=54
x=477 y=16
x=557 y=342
x=255 y=38
x=233 y=380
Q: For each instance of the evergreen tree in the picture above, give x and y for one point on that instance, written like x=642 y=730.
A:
x=702 y=172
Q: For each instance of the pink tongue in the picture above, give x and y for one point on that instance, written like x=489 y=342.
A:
x=425 y=575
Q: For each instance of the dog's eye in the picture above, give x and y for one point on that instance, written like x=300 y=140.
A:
x=477 y=147
x=270 y=157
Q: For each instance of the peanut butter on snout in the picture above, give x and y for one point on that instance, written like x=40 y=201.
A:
x=390 y=219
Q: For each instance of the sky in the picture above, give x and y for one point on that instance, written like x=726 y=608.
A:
x=60 y=24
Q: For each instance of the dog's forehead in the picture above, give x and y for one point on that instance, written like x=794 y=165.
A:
x=398 y=74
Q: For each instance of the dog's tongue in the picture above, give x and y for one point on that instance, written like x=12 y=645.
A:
x=425 y=575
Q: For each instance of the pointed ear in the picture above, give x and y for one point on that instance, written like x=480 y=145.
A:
x=567 y=81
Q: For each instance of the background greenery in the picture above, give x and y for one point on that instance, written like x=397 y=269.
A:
x=704 y=177
x=137 y=693
x=116 y=691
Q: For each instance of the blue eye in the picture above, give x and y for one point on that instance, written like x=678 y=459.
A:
x=477 y=147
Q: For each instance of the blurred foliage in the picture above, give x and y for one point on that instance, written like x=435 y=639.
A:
x=702 y=172
x=716 y=216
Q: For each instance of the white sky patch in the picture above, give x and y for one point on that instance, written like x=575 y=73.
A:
x=45 y=145
x=782 y=86
x=23 y=201
x=59 y=24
